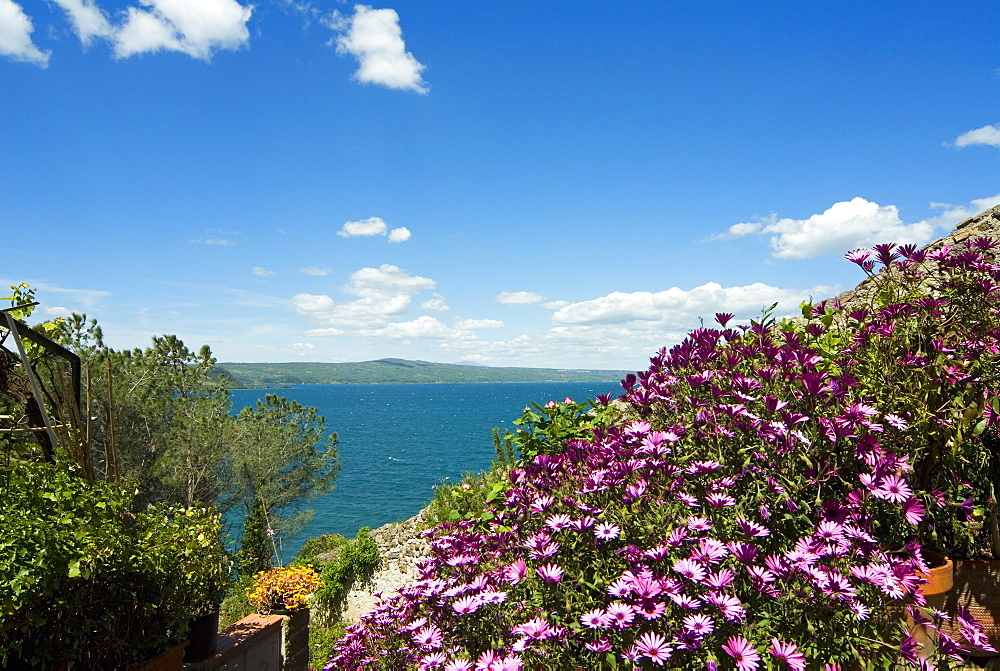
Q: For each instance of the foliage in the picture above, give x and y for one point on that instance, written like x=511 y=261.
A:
x=322 y=639
x=256 y=546
x=284 y=459
x=313 y=547
x=358 y=559
x=84 y=580
x=163 y=417
x=756 y=497
x=159 y=419
x=281 y=589
x=545 y=429
x=236 y=604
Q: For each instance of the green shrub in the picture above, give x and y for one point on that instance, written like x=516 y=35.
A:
x=358 y=560
x=313 y=547
x=85 y=581
x=236 y=605
x=321 y=642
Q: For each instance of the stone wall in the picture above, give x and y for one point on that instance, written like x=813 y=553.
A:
x=400 y=547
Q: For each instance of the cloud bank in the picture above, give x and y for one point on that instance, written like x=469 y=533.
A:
x=848 y=225
x=382 y=293
x=518 y=298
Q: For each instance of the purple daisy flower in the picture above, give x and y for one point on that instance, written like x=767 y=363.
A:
x=600 y=645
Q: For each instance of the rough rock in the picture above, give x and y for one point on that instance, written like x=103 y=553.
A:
x=400 y=547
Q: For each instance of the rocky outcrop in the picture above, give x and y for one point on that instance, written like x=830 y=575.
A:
x=400 y=546
x=985 y=224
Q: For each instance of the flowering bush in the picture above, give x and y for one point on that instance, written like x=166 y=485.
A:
x=283 y=589
x=756 y=498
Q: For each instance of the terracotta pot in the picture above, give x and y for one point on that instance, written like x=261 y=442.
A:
x=940 y=578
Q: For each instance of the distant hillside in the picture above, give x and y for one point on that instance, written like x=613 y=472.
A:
x=400 y=370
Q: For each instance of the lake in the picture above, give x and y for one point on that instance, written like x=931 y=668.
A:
x=399 y=440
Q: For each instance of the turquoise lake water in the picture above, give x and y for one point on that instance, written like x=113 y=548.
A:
x=399 y=440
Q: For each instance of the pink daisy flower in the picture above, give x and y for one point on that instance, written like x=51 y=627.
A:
x=594 y=619
x=606 y=531
x=550 y=572
x=744 y=655
x=428 y=638
x=655 y=647
x=894 y=489
x=789 y=654
x=620 y=614
x=466 y=605
x=700 y=625
x=690 y=569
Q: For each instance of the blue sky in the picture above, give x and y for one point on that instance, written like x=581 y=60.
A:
x=518 y=183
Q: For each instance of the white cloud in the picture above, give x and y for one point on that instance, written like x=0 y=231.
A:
x=221 y=242
x=303 y=345
x=844 y=226
x=316 y=272
x=194 y=27
x=517 y=297
x=325 y=332
x=421 y=327
x=473 y=324
x=87 y=18
x=382 y=292
x=262 y=272
x=15 y=35
x=373 y=226
x=374 y=38
x=365 y=227
x=57 y=312
x=401 y=234
x=987 y=135
x=437 y=304
x=555 y=305
x=676 y=307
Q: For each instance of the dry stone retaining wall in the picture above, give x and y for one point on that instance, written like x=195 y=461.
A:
x=400 y=546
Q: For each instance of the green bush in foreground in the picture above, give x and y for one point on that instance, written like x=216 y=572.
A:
x=85 y=581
